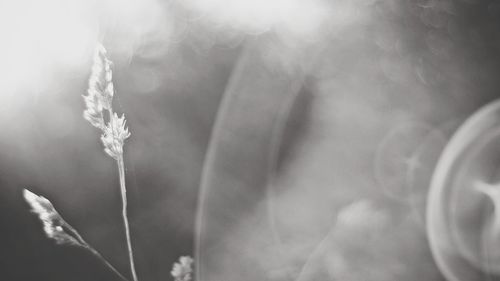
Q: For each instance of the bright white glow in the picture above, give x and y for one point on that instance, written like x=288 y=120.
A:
x=297 y=18
x=261 y=15
x=41 y=39
x=37 y=35
x=135 y=25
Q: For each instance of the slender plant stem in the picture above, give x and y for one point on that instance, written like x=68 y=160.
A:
x=316 y=251
x=91 y=249
x=121 y=171
x=105 y=262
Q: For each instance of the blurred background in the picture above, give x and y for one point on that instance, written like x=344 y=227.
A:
x=347 y=103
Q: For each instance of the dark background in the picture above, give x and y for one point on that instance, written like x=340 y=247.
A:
x=170 y=101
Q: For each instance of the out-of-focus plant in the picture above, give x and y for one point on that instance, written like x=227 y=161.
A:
x=99 y=113
x=183 y=270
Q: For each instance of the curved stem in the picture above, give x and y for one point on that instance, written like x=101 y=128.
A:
x=105 y=262
x=121 y=172
x=89 y=248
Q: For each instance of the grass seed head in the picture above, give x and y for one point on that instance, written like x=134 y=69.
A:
x=114 y=135
x=99 y=103
x=52 y=222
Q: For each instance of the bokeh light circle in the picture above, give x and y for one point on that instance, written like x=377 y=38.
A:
x=459 y=217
